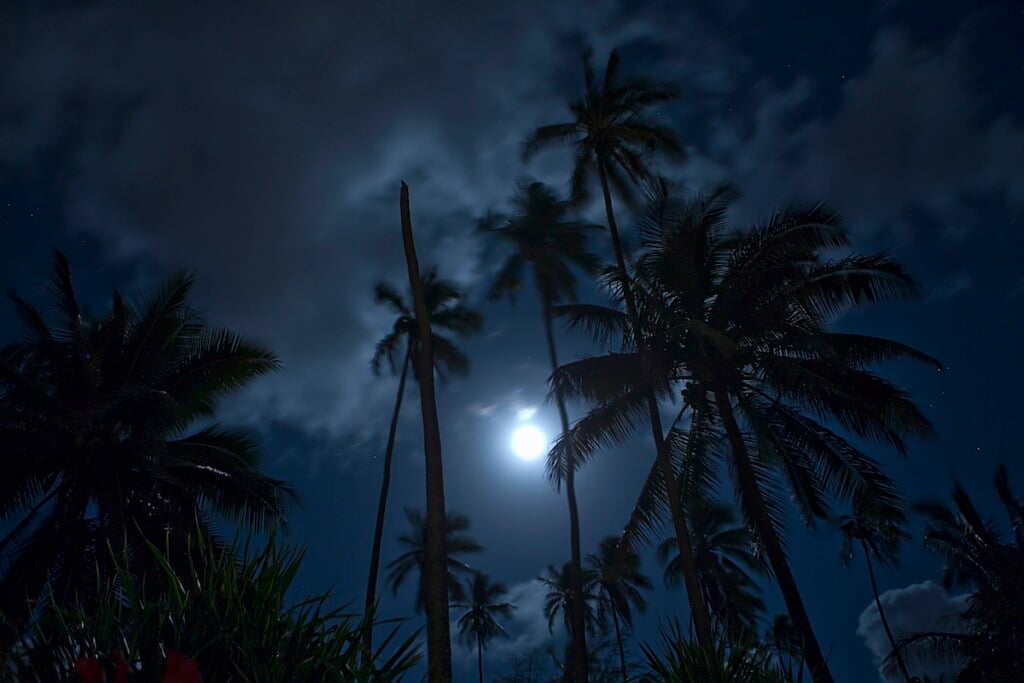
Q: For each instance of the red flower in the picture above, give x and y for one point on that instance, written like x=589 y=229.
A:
x=121 y=668
x=90 y=670
x=181 y=668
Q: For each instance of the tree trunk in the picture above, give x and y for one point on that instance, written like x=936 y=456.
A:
x=881 y=613
x=382 y=506
x=698 y=609
x=480 y=657
x=577 y=613
x=435 y=575
x=754 y=505
x=622 y=651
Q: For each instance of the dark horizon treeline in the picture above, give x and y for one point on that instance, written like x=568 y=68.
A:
x=117 y=480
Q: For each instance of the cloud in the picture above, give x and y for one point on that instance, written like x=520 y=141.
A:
x=263 y=148
x=907 y=135
x=917 y=608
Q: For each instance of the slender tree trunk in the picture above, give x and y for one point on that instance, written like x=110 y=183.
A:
x=622 y=651
x=578 y=632
x=754 y=504
x=480 y=657
x=382 y=506
x=881 y=613
x=698 y=608
x=435 y=575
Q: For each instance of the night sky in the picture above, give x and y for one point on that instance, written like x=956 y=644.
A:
x=262 y=149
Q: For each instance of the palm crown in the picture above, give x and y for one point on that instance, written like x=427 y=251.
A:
x=479 y=624
x=458 y=543
x=446 y=312
x=95 y=417
x=611 y=129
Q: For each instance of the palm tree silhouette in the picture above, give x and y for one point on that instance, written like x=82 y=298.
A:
x=614 y=136
x=725 y=563
x=742 y=318
x=457 y=541
x=479 y=624
x=782 y=637
x=559 y=598
x=547 y=241
x=446 y=311
x=618 y=582
x=879 y=539
x=100 y=452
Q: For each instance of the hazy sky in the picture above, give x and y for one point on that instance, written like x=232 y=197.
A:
x=262 y=148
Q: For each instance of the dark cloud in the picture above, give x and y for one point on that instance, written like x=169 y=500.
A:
x=917 y=608
x=263 y=148
x=910 y=134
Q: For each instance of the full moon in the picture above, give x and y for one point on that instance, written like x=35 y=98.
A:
x=528 y=442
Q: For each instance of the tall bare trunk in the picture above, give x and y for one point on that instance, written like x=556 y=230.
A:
x=576 y=611
x=480 y=656
x=881 y=613
x=435 y=575
x=382 y=506
x=698 y=608
x=753 y=503
x=622 y=650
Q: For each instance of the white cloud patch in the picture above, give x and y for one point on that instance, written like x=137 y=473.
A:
x=917 y=608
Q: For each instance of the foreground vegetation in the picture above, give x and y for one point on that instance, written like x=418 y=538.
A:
x=118 y=485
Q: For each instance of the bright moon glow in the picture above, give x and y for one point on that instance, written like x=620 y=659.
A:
x=528 y=442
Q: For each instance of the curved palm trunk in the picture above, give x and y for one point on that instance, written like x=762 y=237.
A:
x=881 y=613
x=622 y=651
x=382 y=506
x=698 y=609
x=578 y=631
x=435 y=575
x=754 y=504
x=480 y=656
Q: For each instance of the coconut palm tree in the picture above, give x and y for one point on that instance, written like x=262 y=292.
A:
x=742 y=318
x=990 y=634
x=100 y=445
x=457 y=541
x=614 y=135
x=725 y=566
x=787 y=644
x=547 y=241
x=447 y=313
x=479 y=624
x=619 y=584
x=878 y=540
x=559 y=598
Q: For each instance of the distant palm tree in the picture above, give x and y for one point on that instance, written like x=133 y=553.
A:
x=444 y=303
x=741 y=321
x=618 y=582
x=458 y=543
x=479 y=624
x=614 y=136
x=725 y=563
x=559 y=597
x=879 y=539
x=545 y=239
x=98 y=441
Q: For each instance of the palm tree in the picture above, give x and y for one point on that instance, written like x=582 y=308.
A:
x=619 y=583
x=980 y=555
x=882 y=541
x=435 y=554
x=457 y=541
x=559 y=598
x=782 y=637
x=725 y=563
x=97 y=435
x=742 y=318
x=614 y=135
x=546 y=240
x=479 y=624
x=446 y=312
